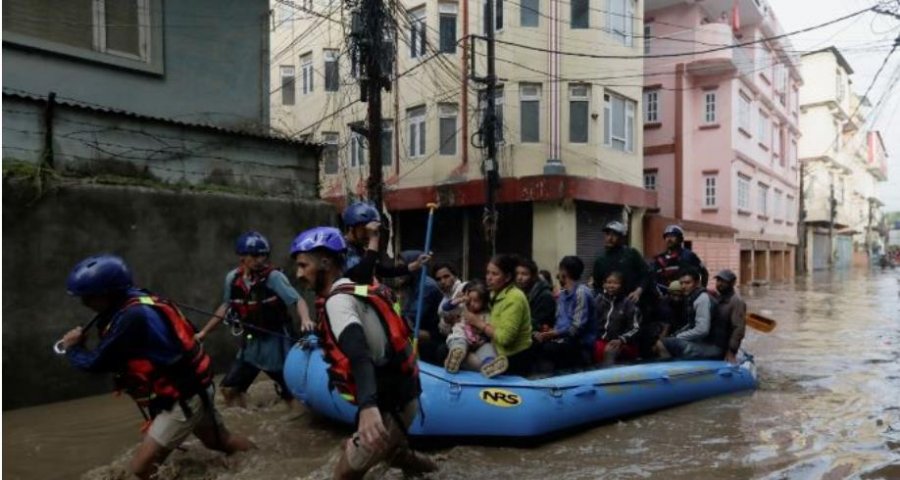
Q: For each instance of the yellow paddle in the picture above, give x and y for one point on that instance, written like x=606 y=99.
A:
x=761 y=323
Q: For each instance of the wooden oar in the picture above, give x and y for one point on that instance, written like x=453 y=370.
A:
x=761 y=323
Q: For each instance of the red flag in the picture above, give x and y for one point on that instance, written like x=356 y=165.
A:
x=736 y=17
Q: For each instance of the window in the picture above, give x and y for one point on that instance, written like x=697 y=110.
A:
x=744 y=112
x=743 y=193
x=332 y=77
x=306 y=70
x=782 y=146
x=763 y=130
x=779 y=82
x=709 y=107
x=709 y=195
x=650 y=180
x=618 y=122
x=648 y=34
x=529 y=13
x=498 y=15
x=651 y=106
x=357 y=150
x=387 y=143
x=417 y=33
x=448 y=114
x=579 y=109
x=530 y=112
x=620 y=21
x=416 y=119
x=581 y=14
x=287 y=84
x=776 y=205
x=763 y=200
x=330 y=152
x=448 y=13
x=121 y=32
x=789 y=209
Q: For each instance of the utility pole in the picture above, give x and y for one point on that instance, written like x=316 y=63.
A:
x=832 y=213
x=367 y=35
x=800 y=260
x=489 y=133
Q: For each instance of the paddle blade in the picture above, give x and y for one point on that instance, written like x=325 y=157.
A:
x=761 y=323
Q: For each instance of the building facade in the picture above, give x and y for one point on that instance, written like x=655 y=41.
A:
x=570 y=148
x=842 y=162
x=721 y=133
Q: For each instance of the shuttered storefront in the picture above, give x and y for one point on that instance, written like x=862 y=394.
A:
x=820 y=251
x=590 y=219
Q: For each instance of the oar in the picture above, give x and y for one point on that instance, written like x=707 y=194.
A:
x=421 y=295
x=761 y=323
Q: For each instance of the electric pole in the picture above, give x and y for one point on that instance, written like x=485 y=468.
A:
x=832 y=213
x=373 y=66
x=489 y=132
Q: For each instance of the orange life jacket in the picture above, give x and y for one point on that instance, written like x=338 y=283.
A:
x=257 y=304
x=401 y=358
x=158 y=387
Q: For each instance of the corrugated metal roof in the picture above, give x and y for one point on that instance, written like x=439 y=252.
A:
x=72 y=103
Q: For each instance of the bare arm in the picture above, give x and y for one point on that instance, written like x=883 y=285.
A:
x=213 y=322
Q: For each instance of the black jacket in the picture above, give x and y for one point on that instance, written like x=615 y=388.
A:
x=542 y=304
x=622 y=259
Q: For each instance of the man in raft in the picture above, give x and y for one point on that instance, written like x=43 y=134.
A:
x=150 y=346
x=371 y=361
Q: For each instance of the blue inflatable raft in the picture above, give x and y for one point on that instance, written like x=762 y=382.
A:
x=468 y=404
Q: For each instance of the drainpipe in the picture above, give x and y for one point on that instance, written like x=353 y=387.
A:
x=679 y=141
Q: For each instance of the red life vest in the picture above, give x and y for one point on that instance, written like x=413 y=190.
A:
x=158 y=387
x=401 y=359
x=257 y=304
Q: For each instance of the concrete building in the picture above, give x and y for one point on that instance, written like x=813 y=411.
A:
x=570 y=155
x=841 y=164
x=720 y=133
x=163 y=91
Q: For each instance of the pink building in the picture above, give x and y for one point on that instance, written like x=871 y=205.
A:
x=720 y=133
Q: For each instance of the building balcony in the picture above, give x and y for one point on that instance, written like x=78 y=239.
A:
x=724 y=61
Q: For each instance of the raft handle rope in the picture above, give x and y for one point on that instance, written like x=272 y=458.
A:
x=60 y=349
x=237 y=327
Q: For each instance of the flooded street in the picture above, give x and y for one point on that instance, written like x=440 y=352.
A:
x=828 y=406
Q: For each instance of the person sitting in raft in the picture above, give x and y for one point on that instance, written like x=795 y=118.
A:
x=730 y=313
x=696 y=339
x=510 y=326
x=362 y=224
x=468 y=348
x=668 y=315
x=619 y=320
x=540 y=295
x=430 y=337
x=568 y=344
x=454 y=302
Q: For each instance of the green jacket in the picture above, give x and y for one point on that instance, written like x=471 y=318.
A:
x=622 y=259
x=511 y=319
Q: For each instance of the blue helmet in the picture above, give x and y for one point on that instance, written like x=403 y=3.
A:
x=360 y=213
x=328 y=238
x=98 y=275
x=673 y=230
x=252 y=243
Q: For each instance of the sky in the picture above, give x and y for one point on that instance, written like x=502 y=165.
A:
x=864 y=41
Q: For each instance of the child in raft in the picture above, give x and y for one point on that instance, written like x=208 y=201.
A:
x=469 y=349
x=620 y=321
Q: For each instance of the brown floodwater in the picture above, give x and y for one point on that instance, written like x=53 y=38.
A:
x=828 y=406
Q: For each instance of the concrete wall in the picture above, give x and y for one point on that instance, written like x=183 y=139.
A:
x=180 y=245
x=87 y=141
x=214 y=64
